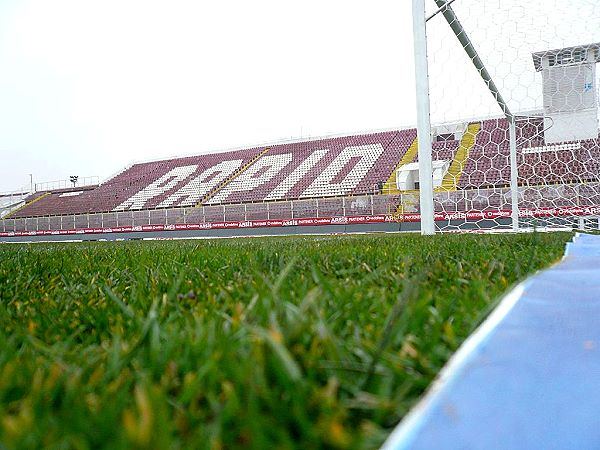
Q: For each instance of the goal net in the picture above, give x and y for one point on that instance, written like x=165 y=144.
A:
x=513 y=120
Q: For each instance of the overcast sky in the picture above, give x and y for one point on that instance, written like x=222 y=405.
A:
x=87 y=87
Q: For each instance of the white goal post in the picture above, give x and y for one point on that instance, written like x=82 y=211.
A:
x=507 y=102
x=423 y=119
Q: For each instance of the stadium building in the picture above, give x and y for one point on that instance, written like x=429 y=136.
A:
x=351 y=183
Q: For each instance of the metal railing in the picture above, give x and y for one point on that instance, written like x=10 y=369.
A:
x=64 y=184
x=292 y=209
x=566 y=195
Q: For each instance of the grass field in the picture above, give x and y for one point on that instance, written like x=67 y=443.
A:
x=304 y=342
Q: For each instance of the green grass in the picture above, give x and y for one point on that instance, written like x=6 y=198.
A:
x=308 y=342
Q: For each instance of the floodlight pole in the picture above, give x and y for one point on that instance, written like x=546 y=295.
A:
x=423 y=118
x=463 y=38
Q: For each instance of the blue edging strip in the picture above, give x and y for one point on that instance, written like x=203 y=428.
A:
x=529 y=377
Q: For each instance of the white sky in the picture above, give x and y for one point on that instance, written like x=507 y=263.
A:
x=87 y=87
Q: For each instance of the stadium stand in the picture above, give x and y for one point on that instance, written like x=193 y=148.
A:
x=324 y=168
x=489 y=162
x=146 y=185
x=339 y=176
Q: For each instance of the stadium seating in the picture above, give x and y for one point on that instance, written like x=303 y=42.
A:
x=488 y=164
x=331 y=177
x=444 y=151
x=144 y=185
x=324 y=168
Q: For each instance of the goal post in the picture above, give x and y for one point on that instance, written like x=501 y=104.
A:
x=423 y=120
x=507 y=104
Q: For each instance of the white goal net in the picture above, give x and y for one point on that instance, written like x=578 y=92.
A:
x=513 y=98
